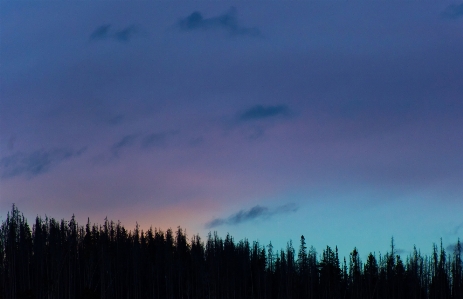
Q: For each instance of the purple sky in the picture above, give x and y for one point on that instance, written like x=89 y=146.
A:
x=339 y=120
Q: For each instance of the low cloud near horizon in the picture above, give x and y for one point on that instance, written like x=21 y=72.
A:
x=255 y=212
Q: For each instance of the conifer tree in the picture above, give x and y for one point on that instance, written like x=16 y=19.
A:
x=60 y=259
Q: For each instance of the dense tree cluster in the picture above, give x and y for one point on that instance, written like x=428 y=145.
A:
x=60 y=259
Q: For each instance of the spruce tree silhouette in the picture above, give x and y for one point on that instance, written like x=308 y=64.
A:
x=60 y=259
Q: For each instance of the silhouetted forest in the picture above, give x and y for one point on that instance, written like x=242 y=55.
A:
x=60 y=259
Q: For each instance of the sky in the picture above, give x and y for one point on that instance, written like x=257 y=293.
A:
x=338 y=120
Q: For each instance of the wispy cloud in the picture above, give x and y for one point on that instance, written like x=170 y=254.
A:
x=260 y=112
x=400 y=251
x=453 y=247
x=457 y=228
x=35 y=163
x=252 y=214
x=227 y=22
x=104 y=32
x=453 y=11
x=153 y=140
x=116 y=120
x=11 y=142
x=127 y=33
x=158 y=139
x=101 y=32
x=126 y=141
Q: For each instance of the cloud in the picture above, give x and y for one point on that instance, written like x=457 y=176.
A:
x=260 y=112
x=287 y=208
x=35 y=163
x=227 y=22
x=124 y=35
x=11 y=142
x=144 y=141
x=196 y=141
x=242 y=216
x=253 y=213
x=101 y=32
x=126 y=141
x=453 y=247
x=253 y=121
x=116 y=120
x=457 y=228
x=453 y=11
x=155 y=139
x=400 y=251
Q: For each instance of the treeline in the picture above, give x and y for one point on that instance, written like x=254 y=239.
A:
x=60 y=259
